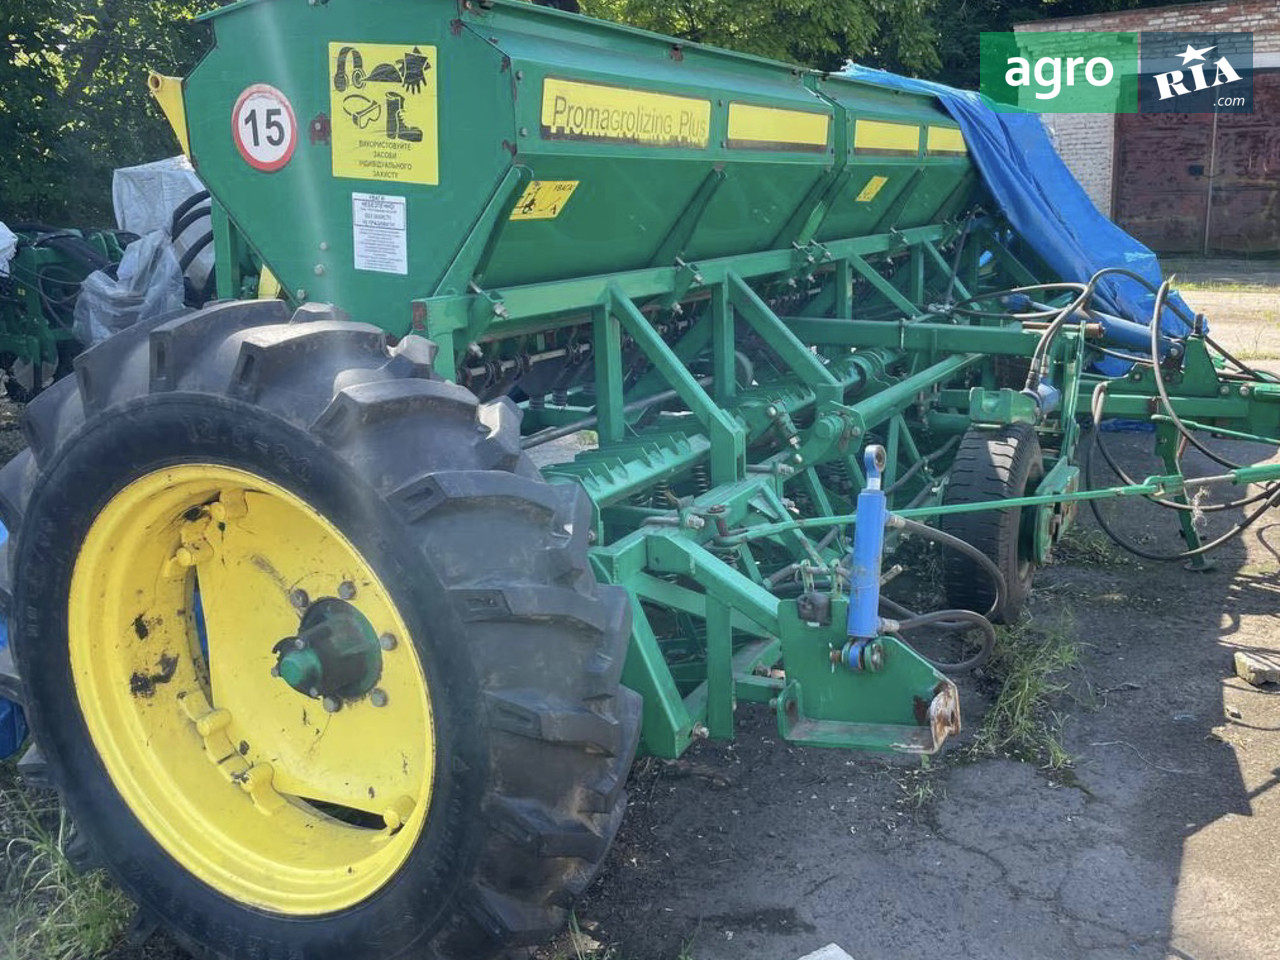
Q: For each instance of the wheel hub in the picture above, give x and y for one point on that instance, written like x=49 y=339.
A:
x=334 y=657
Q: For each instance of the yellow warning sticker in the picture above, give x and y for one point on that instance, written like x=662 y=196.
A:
x=543 y=199
x=771 y=128
x=885 y=138
x=382 y=100
x=590 y=111
x=945 y=140
x=873 y=187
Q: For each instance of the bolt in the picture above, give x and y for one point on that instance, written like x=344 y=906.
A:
x=299 y=643
x=275 y=671
x=331 y=705
x=700 y=732
x=185 y=557
x=378 y=697
x=855 y=432
x=519 y=74
x=324 y=245
x=299 y=598
x=346 y=590
x=1244 y=390
x=319 y=269
x=591 y=536
x=1224 y=390
x=387 y=641
x=524 y=131
x=301 y=293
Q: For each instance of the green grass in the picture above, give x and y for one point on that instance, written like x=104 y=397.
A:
x=49 y=911
x=575 y=944
x=919 y=788
x=1221 y=286
x=1030 y=663
x=1090 y=548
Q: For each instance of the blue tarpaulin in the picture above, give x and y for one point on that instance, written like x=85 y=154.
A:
x=1045 y=204
x=13 y=726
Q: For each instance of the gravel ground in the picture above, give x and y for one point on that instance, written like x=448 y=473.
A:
x=1161 y=841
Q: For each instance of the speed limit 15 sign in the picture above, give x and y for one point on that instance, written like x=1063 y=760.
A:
x=264 y=127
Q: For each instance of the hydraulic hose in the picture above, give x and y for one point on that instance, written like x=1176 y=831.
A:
x=193 y=251
x=1095 y=409
x=952 y=620
x=1164 y=393
x=1231 y=534
x=181 y=210
x=199 y=213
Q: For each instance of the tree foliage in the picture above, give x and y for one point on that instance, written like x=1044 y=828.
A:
x=896 y=34
x=74 y=103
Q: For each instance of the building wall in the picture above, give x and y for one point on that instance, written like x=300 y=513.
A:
x=1261 y=17
x=1086 y=141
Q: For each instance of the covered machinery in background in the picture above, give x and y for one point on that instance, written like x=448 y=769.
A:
x=325 y=664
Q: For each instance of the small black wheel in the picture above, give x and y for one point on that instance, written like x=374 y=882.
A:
x=313 y=653
x=993 y=464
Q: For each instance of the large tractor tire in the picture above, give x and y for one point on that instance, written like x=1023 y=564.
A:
x=310 y=649
x=993 y=465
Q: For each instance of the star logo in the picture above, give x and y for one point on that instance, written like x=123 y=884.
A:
x=1191 y=53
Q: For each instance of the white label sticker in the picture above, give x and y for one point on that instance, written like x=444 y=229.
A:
x=380 y=232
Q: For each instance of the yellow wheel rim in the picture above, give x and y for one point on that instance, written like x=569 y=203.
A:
x=187 y=580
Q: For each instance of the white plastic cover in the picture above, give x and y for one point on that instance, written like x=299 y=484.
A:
x=8 y=247
x=145 y=197
x=149 y=285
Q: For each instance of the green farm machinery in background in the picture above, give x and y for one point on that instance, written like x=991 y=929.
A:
x=333 y=641
x=38 y=298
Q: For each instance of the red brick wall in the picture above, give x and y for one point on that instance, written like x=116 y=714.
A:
x=1085 y=141
x=1261 y=17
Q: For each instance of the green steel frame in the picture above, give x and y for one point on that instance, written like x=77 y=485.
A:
x=734 y=358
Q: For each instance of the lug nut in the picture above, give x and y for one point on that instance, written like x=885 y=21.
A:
x=331 y=705
x=378 y=697
x=298 y=598
x=387 y=641
x=346 y=590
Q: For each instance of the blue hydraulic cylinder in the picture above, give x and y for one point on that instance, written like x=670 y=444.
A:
x=868 y=550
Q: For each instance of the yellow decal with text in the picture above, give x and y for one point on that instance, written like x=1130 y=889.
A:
x=543 y=199
x=600 y=114
x=945 y=140
x=771 y=128
x=873 y=187
x=382 y=105
x=885 y=138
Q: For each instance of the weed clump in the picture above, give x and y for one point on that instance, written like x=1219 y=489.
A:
x=48 y=910
x=1030 y=663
